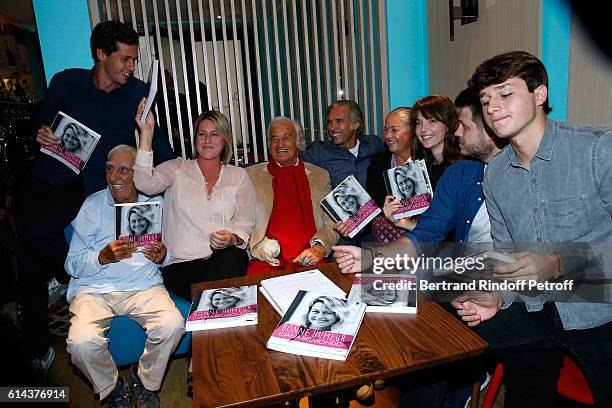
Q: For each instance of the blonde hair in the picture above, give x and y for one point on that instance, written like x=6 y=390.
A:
x=403 y=112
x=223 y=127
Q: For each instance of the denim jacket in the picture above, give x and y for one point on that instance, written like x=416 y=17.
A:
x=456 y=201
x=564 y=197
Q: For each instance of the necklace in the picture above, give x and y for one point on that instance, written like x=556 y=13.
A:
x=394 y=163
x=206 y=193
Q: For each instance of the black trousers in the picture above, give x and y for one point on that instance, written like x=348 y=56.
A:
x=532 y=346
x=230 y=262
x=42 y=213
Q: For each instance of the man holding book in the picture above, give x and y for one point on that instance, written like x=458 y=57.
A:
x=287 y=189
x=108 y=278
x=349 y=152
x=550 y=188
x=105 y=99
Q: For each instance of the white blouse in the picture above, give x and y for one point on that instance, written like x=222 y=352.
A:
x=189 y=217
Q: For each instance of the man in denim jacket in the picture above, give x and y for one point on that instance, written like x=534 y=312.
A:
x=552 y=184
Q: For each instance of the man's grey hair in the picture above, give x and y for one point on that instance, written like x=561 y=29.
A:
x=355 y=114
x=299 y=130
x=122 y=148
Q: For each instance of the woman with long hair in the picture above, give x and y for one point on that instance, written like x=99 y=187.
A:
x=434 y=121
x=208 y=204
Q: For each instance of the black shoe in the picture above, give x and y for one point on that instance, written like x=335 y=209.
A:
x=120 y=397
x=143 y=398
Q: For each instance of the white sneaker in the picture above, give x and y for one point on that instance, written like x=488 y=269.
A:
x=40 y=366
x=484 y=384
x=56 y=290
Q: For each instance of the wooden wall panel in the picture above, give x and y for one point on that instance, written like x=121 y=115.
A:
x=590 y=81
x=503 y=25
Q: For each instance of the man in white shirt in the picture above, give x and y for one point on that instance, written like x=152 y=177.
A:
x=108 y=279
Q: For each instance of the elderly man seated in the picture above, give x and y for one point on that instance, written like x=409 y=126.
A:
x=288 y=190
x=108 y=278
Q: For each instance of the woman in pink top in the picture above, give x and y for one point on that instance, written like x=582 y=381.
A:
x=208 y=204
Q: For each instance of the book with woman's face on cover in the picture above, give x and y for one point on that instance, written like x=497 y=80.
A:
x=223 y=307
x=140 y=223
x=77 y=142
x=319 y=326
x=349 y=202
x=385 y=293
x=410 y=184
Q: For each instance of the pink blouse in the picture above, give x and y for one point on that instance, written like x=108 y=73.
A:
x=188 y=215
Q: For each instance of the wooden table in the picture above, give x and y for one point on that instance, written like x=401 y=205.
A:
x=233 y=367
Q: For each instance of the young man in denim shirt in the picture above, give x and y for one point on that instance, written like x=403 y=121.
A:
x=551 y=185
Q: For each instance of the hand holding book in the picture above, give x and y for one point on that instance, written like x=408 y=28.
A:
x=116 y=251
x=46 y=137
x=155 y=252
x=392 y=205
x=145 y=128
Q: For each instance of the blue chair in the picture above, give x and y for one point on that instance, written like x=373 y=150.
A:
x=127 y=339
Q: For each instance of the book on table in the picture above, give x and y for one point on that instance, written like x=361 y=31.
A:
x=410 y=184
x=350 y=203
x=318 y=326
x=281 y=291
x=223 y=307
x=140 y=223
x=385 y=293
x=77 y=142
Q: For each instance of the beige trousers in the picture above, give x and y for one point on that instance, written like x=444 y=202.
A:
x=152 y=309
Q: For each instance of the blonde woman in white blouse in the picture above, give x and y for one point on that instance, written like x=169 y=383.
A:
x=208 y=204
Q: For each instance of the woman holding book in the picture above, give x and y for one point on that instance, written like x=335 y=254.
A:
x=434 y=120
x=208 y=206
x=398 y=137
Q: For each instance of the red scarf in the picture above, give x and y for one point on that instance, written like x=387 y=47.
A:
x=292 y=219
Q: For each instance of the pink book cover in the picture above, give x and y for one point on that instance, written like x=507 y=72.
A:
x=139 y=223
x=223 y=307
x=410 y=184
x=349 y=202
x=77 y=142
x=319 y=326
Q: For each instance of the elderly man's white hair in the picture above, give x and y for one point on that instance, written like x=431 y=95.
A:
x=299 y=130
x=122 y=148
